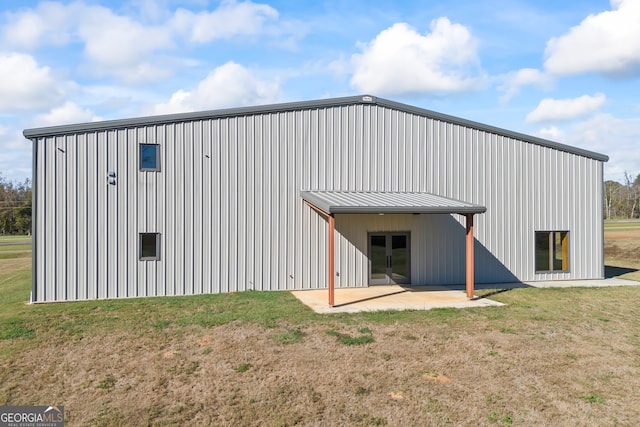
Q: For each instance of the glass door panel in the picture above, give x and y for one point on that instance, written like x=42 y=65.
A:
x=389 y=258
x=399 y=258
x=378 y=256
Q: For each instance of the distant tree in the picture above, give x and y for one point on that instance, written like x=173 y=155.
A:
x=632 y=195
x=613 y=191
x=22 y=215
x=622 y=200
x=15 y=206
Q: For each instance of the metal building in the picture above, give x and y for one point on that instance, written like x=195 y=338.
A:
x=344 y=192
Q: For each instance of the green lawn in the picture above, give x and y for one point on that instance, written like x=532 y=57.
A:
x=21 y=238
x=622 y=224
x=15 y=247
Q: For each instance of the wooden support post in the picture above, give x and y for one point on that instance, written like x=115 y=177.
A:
x=469 y=256
x=331 y=255
x=331 y=272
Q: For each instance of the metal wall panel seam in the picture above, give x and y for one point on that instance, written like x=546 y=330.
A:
x=60 y=222
x=44 y=230
x=169 y=241
x=243 y=223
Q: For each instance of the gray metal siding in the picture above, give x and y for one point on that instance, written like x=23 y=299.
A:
x=226 y=202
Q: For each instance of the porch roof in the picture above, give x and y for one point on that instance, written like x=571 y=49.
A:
x=372 y=202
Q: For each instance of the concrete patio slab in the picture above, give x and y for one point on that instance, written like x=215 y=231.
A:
x=396 y=297
x=392 y=297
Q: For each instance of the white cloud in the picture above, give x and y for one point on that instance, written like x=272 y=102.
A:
x=50 y=23
x=555 y=110
x=121 y=46
x=607 y=43
x=67 y=113
x=402 y=61
x=604 y=133
x=153 y=10
x=514 y=81
x=135 y=48
x=15 y=154
x=114 y=44
x=24 y=84
x=610 y=135
x=229 y=85
x=229 y=20
x=551 y=133
x=339 y=67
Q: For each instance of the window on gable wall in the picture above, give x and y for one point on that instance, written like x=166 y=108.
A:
x=552 y=251
x=149 y=246
x=149 y=157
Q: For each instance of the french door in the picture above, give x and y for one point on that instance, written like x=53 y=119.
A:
x=389 y=257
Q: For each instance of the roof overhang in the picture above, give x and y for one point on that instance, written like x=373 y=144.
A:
x=387 y=202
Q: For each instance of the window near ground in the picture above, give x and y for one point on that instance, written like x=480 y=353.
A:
x=552 y=251
x=149 y=246
x=149 y=157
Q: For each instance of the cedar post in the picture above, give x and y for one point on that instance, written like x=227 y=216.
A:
x=469 y=256
x=331 y=262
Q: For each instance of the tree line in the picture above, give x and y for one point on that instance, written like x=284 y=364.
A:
x=15 y=207
x=622 y=200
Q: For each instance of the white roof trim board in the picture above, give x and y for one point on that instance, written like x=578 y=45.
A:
x=371 y=202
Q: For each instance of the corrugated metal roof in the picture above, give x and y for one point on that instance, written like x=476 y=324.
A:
x=352 y=202
x=291 y=106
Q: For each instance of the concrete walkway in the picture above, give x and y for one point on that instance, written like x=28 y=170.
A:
x=396 y=297
x=583 y=283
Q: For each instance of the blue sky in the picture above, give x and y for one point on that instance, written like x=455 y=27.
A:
x=565 y=71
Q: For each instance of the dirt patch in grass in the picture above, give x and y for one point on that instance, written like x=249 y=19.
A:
x=622 y=253
x=626 y=234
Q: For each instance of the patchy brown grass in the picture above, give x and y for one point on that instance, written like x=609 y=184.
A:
x=526 y=364
x=550 y=357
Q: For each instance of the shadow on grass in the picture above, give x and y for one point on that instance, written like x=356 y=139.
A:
x=611 y=271
x=486 y=290
x=493 y=293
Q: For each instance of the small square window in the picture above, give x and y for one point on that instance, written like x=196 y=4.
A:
x=149 y=246
x=552 y=251
x=149 y=157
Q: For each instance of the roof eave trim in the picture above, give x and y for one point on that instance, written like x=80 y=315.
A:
x=405 y=210
x=290 y=106
x=196 y=115
x=492 y=129
x=320 y=203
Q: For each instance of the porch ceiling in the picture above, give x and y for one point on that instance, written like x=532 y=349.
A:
x=372 y=202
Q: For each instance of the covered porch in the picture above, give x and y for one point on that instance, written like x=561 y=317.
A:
x=329 y=203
